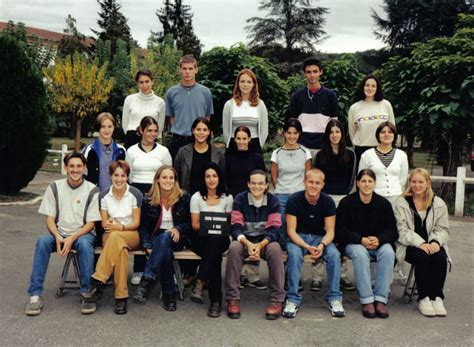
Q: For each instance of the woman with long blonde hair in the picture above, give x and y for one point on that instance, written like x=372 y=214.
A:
x=165 y=227
x=423 y=227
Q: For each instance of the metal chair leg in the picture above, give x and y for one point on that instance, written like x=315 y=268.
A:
x=63 y=282
x=179 y=279
x=410 y=286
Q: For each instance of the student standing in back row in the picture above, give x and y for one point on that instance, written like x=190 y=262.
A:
x=314 y=105
x=185 y=102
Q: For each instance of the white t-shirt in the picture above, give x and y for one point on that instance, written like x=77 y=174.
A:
x=291 y=169
x=143 y=165
x=121 y=210
x=166 y=218
x=245 y=115
x=198 y=204
x=72 y=207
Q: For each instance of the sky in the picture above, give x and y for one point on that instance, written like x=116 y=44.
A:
x=216 y=22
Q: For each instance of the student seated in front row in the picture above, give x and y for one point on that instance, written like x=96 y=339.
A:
x=310 y=221
x=365 y=225
x=255 y=222
x=71 y=208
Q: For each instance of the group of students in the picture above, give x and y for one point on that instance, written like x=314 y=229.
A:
x=151 y=198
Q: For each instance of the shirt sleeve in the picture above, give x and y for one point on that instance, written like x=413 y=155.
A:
x=169 y=104
x=48 y=205
x=194 y=205
x=228 y=206
x=93 y=214
x=273 y=159
x=308 y=154
x=126 y=113
x=330 y=207
x=103 y=204
x=291 y=206
x=210 y=106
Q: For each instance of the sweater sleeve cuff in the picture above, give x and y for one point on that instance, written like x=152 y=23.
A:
x=240 y=237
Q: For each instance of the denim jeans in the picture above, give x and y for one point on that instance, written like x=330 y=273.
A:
x=160 y=261
x=46 y=245
x=296 y=254
x=282 y=235
x=385 y=257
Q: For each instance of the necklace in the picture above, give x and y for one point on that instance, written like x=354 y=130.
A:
x=310 y=96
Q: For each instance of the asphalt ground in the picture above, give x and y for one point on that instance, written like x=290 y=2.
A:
x=61 y=323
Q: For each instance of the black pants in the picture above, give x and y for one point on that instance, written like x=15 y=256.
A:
x=430 y=271
x=210 y=249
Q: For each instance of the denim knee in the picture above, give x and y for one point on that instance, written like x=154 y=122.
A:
x=85 y=243
x=294 y=251
x=357 y=253
x=46 y=243
x=332 y=253
x=387 y=252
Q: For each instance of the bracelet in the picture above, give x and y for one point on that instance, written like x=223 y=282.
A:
x=322 y=243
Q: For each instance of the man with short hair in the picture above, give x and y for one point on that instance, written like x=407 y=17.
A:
x=185 y=102
x=255 y=223
x=310 y=220
x=314 y=105
x=71 y=208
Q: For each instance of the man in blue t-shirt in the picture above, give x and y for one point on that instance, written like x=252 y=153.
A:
x=185 y=102
x=310 y=222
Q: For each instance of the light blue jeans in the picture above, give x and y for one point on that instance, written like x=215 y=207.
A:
x=385 y=257
x=46 y=245
x=296 y=254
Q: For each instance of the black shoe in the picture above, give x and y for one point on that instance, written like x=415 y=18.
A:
x=257 y=284
x=215 y=310
x=121 y=306
x=169 y=302
x=143 y=290
x=94 y=292
x=243 y=282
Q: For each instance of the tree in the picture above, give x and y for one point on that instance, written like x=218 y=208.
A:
x=293 y=23
x=78 y=89
x=113 y=24
x=72 y=40
x=218 y=69
x=433 y=91
x=24 y=115
x=41 y=52
x=417 y=21
x=176 y=19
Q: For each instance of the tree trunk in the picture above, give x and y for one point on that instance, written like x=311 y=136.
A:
x=410 y=141
x=77 y=140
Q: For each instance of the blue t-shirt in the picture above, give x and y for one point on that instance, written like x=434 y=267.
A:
x=186 y=104
x=310 y=218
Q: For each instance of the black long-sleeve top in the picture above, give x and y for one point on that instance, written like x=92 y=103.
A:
x=238 y=165
x=355 y=220
x=339 y=178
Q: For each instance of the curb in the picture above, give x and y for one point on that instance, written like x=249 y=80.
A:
x=22 y=203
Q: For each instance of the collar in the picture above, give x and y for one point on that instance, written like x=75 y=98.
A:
x=252 y=201
x=74 y=188
x=146 y=96
x=127 y=189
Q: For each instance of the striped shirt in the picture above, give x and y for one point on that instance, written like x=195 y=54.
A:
x=385 y=158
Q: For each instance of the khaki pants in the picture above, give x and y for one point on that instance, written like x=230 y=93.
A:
x=114 y=258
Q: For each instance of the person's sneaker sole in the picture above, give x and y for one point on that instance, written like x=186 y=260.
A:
x=89 y=310
x=259 y=287
x=271 y=316
x=233 y=315
x=289 y=315
x=32 y=313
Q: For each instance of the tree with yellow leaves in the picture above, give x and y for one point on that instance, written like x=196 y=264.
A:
x=78 y=89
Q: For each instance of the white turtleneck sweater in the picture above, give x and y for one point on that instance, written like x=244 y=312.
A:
x=139 y=105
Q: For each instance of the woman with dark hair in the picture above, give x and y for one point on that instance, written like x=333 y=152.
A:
x=145 y=158
x=211 y=197
x=240 y=161
x=367 y=113
x=141 y=104
x=366 y=228
x=189 y=164
x=336 y=161
x=190 y=160
x=102 y=152
x=165 y=227
x=120 y=212
x=289 y=164
x=389 y=164
x=423 y=227
x=246 y=109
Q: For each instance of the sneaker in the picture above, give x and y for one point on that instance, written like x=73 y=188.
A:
x=425 y=307
x=137 y=276
x=336 y=308
x=346 y=284
x=196 y=294
x=88 y=307
x=316 y=286
x=257 y=284
x=188 y=280
x=438 y=307
x=243 y=282
x=214 y=310
x=290 y=310
x=34 y=306
x=120 y=306
x=274 y=310
x=233 y=308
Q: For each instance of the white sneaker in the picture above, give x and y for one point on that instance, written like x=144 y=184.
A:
x=336 y=308
x=426 y=308
x=136 y=278
x=438 y=307
x=34 y=306
x=290 y=310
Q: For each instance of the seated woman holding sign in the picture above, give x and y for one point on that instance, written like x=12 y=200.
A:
x=210 y=203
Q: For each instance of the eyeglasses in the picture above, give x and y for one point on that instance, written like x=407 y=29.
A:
x=257 y=184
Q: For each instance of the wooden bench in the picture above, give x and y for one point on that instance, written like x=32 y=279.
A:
x=65 y=283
